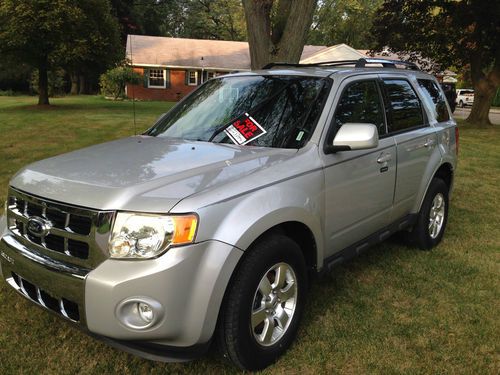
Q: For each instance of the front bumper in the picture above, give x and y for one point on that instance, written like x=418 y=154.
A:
x=189 y=282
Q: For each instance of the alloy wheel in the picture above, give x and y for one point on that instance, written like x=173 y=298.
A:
x=274 y=304
x=436 y=215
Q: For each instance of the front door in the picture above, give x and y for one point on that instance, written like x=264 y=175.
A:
x=359 y=185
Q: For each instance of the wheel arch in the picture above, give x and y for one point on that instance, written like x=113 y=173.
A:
x=301 y=234
x=445 y=172
x=297 y=231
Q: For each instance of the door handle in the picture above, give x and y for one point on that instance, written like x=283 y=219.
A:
x=384 y=158
x=429 y=143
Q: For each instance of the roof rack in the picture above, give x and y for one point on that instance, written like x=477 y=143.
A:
x=360 y=63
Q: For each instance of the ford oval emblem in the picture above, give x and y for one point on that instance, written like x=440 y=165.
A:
x=38 y=227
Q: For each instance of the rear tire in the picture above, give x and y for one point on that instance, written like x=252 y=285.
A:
x=264 y=304
x=432 y=218
x=461 y=104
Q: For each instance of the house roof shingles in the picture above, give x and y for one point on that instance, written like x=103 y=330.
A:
x=180 y=52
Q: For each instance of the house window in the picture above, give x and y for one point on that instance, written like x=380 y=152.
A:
x=157 y=78
x=192 y=78
x=210 y=75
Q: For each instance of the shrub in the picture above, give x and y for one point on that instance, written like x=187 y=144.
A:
x=113 y=82
x=7 y=93
x=496 y=99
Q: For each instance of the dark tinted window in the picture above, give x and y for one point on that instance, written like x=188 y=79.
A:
x=360 y=103
x=405 y=109
x=436 y=98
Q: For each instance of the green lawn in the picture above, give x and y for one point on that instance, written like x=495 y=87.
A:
x=394 y=310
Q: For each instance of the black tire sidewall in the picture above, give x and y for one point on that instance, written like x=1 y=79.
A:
x=423 y=237
x=266 y=254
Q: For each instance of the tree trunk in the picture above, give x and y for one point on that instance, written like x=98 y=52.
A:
x=43 y=84
x=258 y=19
x=483 y=96
x=82 y=85
x=75 y=84
x=282 y=38
x=485 y=87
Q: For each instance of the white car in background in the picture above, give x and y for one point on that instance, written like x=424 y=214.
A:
x=465 y=97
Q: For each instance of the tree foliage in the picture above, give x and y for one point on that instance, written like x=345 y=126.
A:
x=122 y=10
x=96 y=46
x=48 y=34
x=202 y=19
x=346 y=21
x=34 y=31
x=464 y=34
x=14 y=76
x=277 y=29
x=214 y=19
x=56 y=82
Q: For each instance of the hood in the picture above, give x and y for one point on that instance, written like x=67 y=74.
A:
x=142 y=173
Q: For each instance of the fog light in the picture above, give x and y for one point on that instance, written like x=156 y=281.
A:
x=139 y=313
x=145 y=312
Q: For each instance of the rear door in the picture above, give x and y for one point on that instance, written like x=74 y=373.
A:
x=359 y=185
x=415 y=140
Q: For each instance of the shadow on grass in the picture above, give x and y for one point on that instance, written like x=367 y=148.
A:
x=338 y=280
x=79 y=103
x=341 y=278
x=65 y=107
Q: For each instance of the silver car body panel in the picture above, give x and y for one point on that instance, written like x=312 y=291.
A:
x=287 y=192
x=147 y=174
x=238 y=192
x=189 y=282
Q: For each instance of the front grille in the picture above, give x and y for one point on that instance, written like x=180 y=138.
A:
x=59 y=219
x=62 y=306
x=70 y=233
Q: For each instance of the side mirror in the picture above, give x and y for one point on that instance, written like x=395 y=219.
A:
x=354 y=136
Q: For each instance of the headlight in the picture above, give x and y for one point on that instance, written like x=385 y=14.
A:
x=143 y=236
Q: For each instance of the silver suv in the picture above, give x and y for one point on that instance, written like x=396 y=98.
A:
x=210 y=225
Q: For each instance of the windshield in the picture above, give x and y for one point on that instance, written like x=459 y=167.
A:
x=267 y=111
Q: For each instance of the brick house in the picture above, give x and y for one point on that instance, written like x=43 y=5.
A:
x=173 y=67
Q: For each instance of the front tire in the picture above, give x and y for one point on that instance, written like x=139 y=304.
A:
x=433 y=216
x=264 y=304
x=461 y=104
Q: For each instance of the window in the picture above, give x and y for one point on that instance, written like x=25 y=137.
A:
x=405 y=108
x=286 y=107
x=436 y=99
x=210 y=75
x=192 y=77
x=360 y=103
x=157 y=78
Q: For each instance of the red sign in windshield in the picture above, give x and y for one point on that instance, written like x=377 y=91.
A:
x=244 y=130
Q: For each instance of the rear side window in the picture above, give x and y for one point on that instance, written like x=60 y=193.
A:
x=360 y=103
x=436 y=99
x=405 y=110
